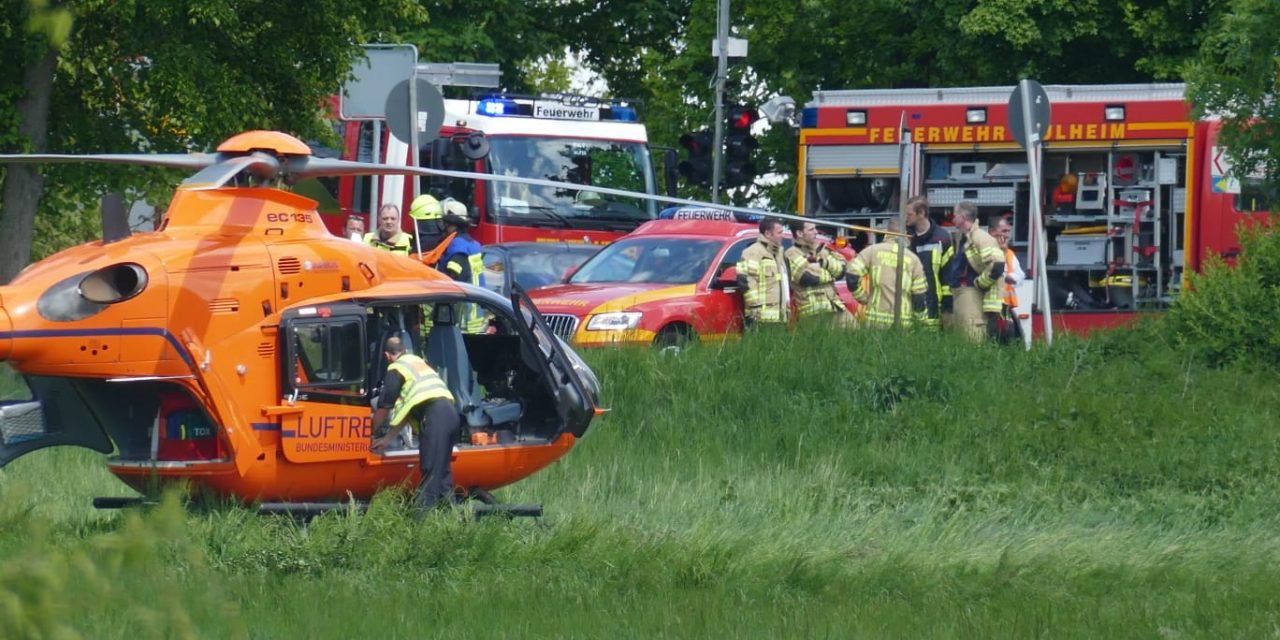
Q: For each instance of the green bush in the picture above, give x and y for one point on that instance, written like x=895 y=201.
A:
x=1231 y=313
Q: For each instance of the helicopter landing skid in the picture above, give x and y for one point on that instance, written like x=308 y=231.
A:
x=489 y=505
x=482 y=508
x=113 y=502
x=486 y=505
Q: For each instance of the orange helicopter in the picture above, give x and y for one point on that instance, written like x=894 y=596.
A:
x=237 y=347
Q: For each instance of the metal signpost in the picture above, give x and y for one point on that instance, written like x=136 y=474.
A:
x=1029 y=114
x=364 y=95
x=722 y=69
x=904 y=181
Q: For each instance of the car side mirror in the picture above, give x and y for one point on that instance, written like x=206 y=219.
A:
x=727 y=279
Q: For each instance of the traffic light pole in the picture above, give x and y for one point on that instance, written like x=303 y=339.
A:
x=722 y=69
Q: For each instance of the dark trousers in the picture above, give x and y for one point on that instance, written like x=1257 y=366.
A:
x=993 y=325
x=440 y=424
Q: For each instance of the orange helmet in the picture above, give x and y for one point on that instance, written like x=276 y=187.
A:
x=1068 y=183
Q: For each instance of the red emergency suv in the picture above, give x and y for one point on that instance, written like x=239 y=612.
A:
x=668 y=282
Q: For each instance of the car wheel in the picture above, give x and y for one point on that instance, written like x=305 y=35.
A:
x=674 y=337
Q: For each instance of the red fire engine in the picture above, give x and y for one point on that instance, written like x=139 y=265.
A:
x=1135 y=190
x=582 y=142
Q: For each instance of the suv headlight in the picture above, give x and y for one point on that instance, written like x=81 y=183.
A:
x=615 y=321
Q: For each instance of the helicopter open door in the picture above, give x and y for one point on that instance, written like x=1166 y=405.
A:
x=56 y=412
x=325 y=414
x=577 y=390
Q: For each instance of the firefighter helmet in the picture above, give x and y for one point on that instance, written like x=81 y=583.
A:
x=425 y=207
x=455 y=212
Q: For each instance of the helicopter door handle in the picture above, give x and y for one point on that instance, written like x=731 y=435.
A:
x=280 y=410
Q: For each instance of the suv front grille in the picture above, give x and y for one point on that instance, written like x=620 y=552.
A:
x=562 y=324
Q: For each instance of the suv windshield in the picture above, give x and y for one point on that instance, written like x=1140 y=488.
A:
x=578 y=163
x=652 y=260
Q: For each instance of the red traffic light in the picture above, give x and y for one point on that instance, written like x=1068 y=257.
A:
x=741 y=117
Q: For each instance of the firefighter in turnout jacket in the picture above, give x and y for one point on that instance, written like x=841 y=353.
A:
x=885 y=274
x=462 y=261
x=762 y=275
x=814 y=269
x=975 y=274
x=933 y=245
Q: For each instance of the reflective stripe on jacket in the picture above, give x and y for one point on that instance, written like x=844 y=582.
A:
x=421 y=384
x=876 y=269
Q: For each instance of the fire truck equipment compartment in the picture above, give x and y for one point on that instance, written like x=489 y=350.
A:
x=1082 y=249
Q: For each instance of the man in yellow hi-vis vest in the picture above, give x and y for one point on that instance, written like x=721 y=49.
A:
x=388 y=234
x=412 y=391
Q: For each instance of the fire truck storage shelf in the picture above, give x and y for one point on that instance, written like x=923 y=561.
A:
x=1003 y=196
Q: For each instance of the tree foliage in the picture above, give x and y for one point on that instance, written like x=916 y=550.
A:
x=1237 y=77
x=1230 y=313
x=162 y=76
x=512 y=33
x=798 y=46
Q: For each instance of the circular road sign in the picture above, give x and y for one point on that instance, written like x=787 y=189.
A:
x=1039 y=101
x=430 y=104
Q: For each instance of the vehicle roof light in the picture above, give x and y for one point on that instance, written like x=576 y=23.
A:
x=1113 y=112
x=498 y=107
x=855 y=118
x=558 y=106
x=621 y=112
x=975 y=115
x=809 y=117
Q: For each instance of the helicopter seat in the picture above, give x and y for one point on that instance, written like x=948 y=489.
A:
x=447 y=353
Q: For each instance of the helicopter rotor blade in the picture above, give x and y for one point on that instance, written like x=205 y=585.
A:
x=217 y=170
x=303 y=167
x=163 y=160
x=115 y=219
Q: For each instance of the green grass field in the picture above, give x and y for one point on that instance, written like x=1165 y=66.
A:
x=809 y=485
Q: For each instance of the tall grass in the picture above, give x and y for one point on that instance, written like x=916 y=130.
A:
x=808 y=484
